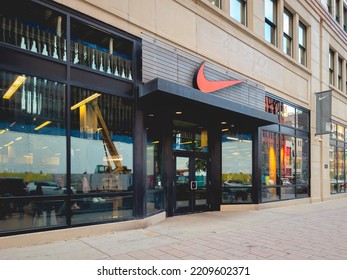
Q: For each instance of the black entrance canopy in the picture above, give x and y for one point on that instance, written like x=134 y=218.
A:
x=163 y=95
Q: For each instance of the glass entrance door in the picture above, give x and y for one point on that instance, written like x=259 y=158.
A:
x=191 y=183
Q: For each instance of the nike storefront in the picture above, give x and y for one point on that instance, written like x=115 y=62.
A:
x=215 y=139
x=98 y=126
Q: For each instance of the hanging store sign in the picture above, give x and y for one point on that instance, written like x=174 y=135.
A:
x=323 y=112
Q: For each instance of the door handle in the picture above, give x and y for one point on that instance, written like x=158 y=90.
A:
x=193 y=185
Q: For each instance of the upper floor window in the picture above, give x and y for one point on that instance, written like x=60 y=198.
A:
x=302 y=44
x=329 y=6
x=238 y=10
x=345 y=18
x=337 y=10
x=331 y=67
x=100 y=51
x=287 y=32
x=34 y=28
x=339 y=74
x=271 y=21
x=217 y=3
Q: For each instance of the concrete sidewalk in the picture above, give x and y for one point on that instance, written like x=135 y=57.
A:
x=315 y=231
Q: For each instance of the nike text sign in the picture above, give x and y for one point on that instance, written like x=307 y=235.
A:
x=202 y=83
x=323 y=112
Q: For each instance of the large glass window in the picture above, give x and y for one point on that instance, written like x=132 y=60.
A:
x=337 y=157
x=34 y=28
x=237 y=167
x=238 y=10
x=285 y=167
x=288 y=115
x=288 y=171
x=287 y=32
x=32 y=150
x=271 y=21
x=301 y=178
x=302 y=120
x=285 y=158
x=154 y=182
x=189 y=136
x=100 y=50
x=270 y=166
x=101 y=155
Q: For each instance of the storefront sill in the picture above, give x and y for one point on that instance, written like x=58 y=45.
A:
x=268 y=205
x=46 y=237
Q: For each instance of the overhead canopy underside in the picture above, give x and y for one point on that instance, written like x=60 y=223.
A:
x=167 y=97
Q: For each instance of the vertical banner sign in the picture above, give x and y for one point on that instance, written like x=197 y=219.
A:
x=323 y=112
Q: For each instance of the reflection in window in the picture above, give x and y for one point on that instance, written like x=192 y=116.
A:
x=288 y=172
x=32 y=149
x=100 y=51
x=302 y=119
x=288 y=115
x=101 y=155
x=302 y=168
x=272 y=106
x=102 y=143
x=237 y=168
x=238 y=10
x=34 y=28
x=193 y=139
x=337 y=159
x=270 y=168
x=285 y=167
x=340 y=133
x=32 y=125
x=154 y=187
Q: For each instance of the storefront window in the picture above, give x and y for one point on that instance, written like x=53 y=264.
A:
x=189 y=137
x=100 y=51
x=288 y=115
x=32 y=151
x=270 y=166
x=101 y=155
x=333 y=133
x=154 y=184
x=333 y=167
x=337 y=157
x=34 y=28
x=340 y=133
x=302 y=168
x=291 y=180
x=288 y=151
x=237 y=168
x=272 y=106
x=302 y=120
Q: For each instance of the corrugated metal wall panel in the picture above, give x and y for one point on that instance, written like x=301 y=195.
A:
x=161 y=60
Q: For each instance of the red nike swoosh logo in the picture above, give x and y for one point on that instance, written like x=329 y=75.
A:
x=200 y=82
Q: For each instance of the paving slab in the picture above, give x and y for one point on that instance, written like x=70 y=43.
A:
x=314 y=231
